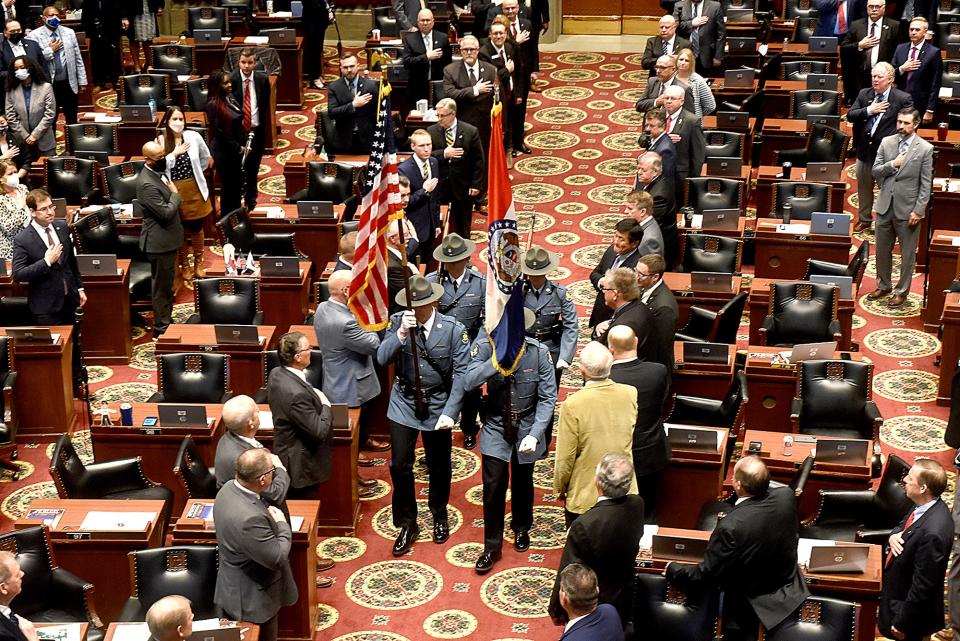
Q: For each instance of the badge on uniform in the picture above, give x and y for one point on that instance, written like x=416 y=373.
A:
x=475 y=351
x=464 y=337
x=569 y=297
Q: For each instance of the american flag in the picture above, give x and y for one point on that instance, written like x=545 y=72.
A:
x=367 y=296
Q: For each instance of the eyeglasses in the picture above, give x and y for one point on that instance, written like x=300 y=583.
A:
x=50 y=207
x=469 y=49
x=606 y=289
x=270 y=471
x=301 y=351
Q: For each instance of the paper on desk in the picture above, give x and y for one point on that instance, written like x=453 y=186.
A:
x=696 y=222
x=206 y=624
x=793 y=229
x=272 y=212
x=256 y=40
x=102 y=117
x=762 y=49
x=946 y=92
x=282 y=14
x=296 y=522
x=131 y=632
x=646 y=541
x=804 y=546
x=117 y=520
x=55 y=338
x=183 y=78
x=955 y=241
x=62 y=632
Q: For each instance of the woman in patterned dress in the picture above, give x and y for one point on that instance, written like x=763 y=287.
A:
x=14 y=214
x=143 y=25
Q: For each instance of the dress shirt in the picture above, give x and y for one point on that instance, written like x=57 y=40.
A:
x=250 y=441
x=571 y=622
x=43 y=233
x=621 y=258
x=428 y=325
x=245 y=490
x=647 y=293
x=303 y=377
x=920 y=510
x=254 y=107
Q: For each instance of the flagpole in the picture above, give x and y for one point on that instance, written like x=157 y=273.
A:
x=420 y=408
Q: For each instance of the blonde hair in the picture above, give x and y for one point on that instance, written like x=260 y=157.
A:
x=693 y=59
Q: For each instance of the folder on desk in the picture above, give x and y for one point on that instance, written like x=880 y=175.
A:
x=280 y=36
x=231 y=633
x=693 y=438
x=136 y=113
x=823 y=119
x=823 y=171
x=740 y=15
x=236 y=334
x=811 y=351
x=101 y=157
x=30 y=334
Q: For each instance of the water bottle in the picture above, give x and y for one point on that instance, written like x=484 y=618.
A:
x=153 y=107
x=788 y=445
x=787 y=212
x=452 y=34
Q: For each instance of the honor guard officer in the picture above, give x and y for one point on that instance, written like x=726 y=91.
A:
x=511 y=441
x=428 y=406
x=556 y=315
x=464 y=293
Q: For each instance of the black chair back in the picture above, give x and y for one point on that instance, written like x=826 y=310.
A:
x=833 y=394
x=92 y=136
x=814 y=102
x=384 y=20
x=68 y=471
x=817 y=619
x=728 y=321
x=193 y=377
x=723 y=143
x=196 y=94
x=32 y=548
x=804 y=198
x=180 y=59
x=826 y=144
x=15 y=312
x=806 y=27
x=673 y=614
x=798 y=9
x=705 y=253
x=802 y=312
x=96 y=233
x=892 y=500
x=710 y=192
x=798 y=69
x=947 y=33
x=237 y=230
x=189 y=571
x=193 y=472
x=138 y=89
x=227 y=301
x=331 y=181
x=72 y=178
x=120 y=181
x=207 y=18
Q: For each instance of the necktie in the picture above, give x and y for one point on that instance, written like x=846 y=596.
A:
x=422 y=335
x=473 y=76
x=426 y=43
x=904 y=145
x=913 y=56
x=669 y=121
x=456 y=286
x=906 y=526
x=57 y=60
x=15 y=619
x=448 y=135
x=842 y=17
x=695 y=33
x=247 y=108
x=513 y=31
x=666 y=48
x=425 y=169
x=876 y=118
x=873 y=29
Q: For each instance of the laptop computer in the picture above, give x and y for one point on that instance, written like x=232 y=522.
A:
x=812 y=351
x=727 y=166
x=822 y=81
x=733 y=120
x=279 y=266
x=236 y=334
x=734 y=78
x=136 y=113
x=280 y=36
x=315 y=209
x=740 y=15
x=60 y=207
x=825 y=171
x=823 y=119
x=230 y=633
x=207 y=36
x=101 y=157
x=748 y=45
x=848 y=558
x=176 y=415
x=97 y=264
x=691 y=438
x=712 y=353
x=30 y=334
x=844 y=284
x=830 y=223
x=852 y=451
x=678 y=548
x=711 y=282
x=822 y=43
x=720 y=219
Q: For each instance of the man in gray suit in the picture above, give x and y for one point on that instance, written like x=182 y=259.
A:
x=639 y=206
x=904 y=170
x=703 y=22
x=162 y=234
x=254 y=579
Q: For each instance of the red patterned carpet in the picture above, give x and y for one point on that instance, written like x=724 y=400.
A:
x=583 y=130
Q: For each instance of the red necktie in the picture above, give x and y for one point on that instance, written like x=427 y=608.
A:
x=247 y=108
x=906 y=526
x=669 y=118
x=841 y=17
x=513 y=30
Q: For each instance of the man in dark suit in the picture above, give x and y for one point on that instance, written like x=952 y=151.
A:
x=352 y=103
x=651 y=179
x=406 y=13
x=657 y=141
x=317 y=16
x=686 y=131
x=104 y=21
x=906 y=10
x=251 y=89
x=471 y=84
x=12 y=626
x=13 y=46
x=423 y=170
x=302 y=420
x=874 y=117
x=622 y=253
x=834 y=17
x=911 y=601
x=254 y=579
x=752 y=555
x=504 y=53
x=395 y=249
x=703 y=22
x=870 y=40
x=162 y=233
x=606 y=538
x=666 y=76
x=537 y=13
x=656 y=295
x=518 y=32
x=426 y=52
x=666 y=43
x=919 y=70
x=651 y=451
x=241 y=418
x=459 y=155
x=578 y=597
x=622 y=295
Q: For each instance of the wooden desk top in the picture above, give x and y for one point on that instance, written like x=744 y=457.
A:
x=953 y=137
x=745 y=172
x=238 y=41
x=772 y=172
x=248 y=631
x=290 y=214
x=718 y=368
x=952 y=300
x=76 y=510
x=771 y=227
x=715 y=456
x=679 y=283
x=183 y=337
x=82 y=628
x=945 y=237
x=65 y=331
x=143 y=410
x=305 y=267
x=760 y=288
x=123 y=268
x=741 y=225
x=710 y=122
x=785 y=124
x=308 y=331
x=761 y=357
x=719 y=85
x=771 y=444
x=185 y=527
x=222 y=44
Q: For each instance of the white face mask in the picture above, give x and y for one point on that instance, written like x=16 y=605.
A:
x=13 y=180
x=22 y=74
x=176 y=126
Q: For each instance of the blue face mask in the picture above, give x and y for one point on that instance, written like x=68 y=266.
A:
x=53 y=22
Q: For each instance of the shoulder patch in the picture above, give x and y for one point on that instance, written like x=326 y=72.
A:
x=464 y=337
x=389 y=324
x=475 y=350
x=568 y=296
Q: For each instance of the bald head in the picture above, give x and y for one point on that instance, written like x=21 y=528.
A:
x=170 y=619
x=622 y=342
x=152 y=150
x=338 y=284
x=241 y=416
x=751 y=477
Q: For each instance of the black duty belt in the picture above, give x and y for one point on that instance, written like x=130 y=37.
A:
x=409 y=389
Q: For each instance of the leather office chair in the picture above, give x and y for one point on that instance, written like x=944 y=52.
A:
x=15 y=312
x=800 y=313
x=331 y=181
x=268 y=60
x=118 y=479
x=436 y=92
x=751 y=105
x=196 y=94
x=708 y=326
x=138 y=89
x=814 y=102
x=237 y=229
x=804 y=197
x=193 y=378
x=75 y=179
x=869 y=516
x=709 y=192
x=950 y=76
x=806 y=27
x=92 y=136
x=49 y=593
x=181 y=59
x=854 y=269
x=187 y=570
x=824 y=144
x=728 y=412
x=705 y=253
x=347 y=226
x=798 y=69
x=798 y=9
x=948 y=11
x=8 y=410
x=835 y=398
x=96 y=233
x=207 y=18
x=817 y=619
x=723 y=143
x=947 y=33
x=196 y=477
x=672 y=614
x=227 y=301
x=314 y=372
x=386 y=22
x=120 y=181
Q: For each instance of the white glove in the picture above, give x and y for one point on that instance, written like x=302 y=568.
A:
x=276 y=514
x=323 y=398
x=528 y=444
x=562 y=364
x=444 y=422
x=407 y=322
x=229 y=253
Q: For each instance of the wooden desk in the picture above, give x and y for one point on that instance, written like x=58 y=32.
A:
x=759 y=305
x=295 y=170
x=784 y=255
x=131 y=136
x=800 y=51
x=702 y=379
x=83 y=628
x=776 y=96
x=285 y=300
x=772 y=388
x=289 y=87
x=296 y=622
x=316 y=238
x=778 y=135
x=767 y=178
x=207 y=57
x=745 y=173
x=246 y=361
x=679 y=284
x=948 y=151
x=940 y=215
x=726 y=233
x=710 y=122
x=48 y=368
x=950 y=347
x=942 y=256
x=158 y=449
x=691 y=479
x=100 y=556
x=105 y=329
x=732 y=94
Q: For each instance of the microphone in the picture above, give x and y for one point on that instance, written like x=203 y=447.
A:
x=246 y=149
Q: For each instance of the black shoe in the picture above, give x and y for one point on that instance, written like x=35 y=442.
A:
x=515 y=153
x=521 y=540
x=469 y=441
x=441 y=530
x=486 y=560
x=524 y=149
x=405 y=540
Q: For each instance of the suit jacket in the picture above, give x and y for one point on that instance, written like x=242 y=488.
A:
x=606 y=538
x=395 y=280
x=664 y=203
x=668 y=155
x=45 y=294
x=655 y=88
x=654 y=50
x=513 y=84
x=712 y=34
x=225 y=132
x=637 y=317
x=31 y=48
x=912 y=596
x=602 y=623
x=229 y=448
x=600 y=311
x=865 y=143
x=752 y=556
x=470 y=108
x=663 y=323
x=923 y=84
x=458 y=175
x=827 y=15
x=421 y=69
x=528 y=51
x=652 y=241
x=301 y=428
x=161 y=231
x=254 y=579
x=9 y=631
x=261 y=86
x=594 y=421
x=856 y=62
x=348 y=351
x=76 y=71
x=497 y=10
x=908 y=188
x=39 y=120
x=424 y=207
x=354 y=127
x=692 y=148
x=651 y=450
x=406 y=12
x=316 y=16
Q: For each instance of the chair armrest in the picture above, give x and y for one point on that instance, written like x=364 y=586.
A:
x=156 y=397
x=825 y=268
x=258 y=318
x=118 y=476
x=297 y=197
x=226 y=396
x=260 y=396
x=71 y=592
x=796 y=405
x=685 y=338
x=194 y=319
x=692 y=409
x=350 y=207
x=877 y=537
x=793 y=155
x=92 y=197
x=872 y=413
x=834 y=329
x=844 y=506
x=700 y=323
x=133 y=611
x=765 y=327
